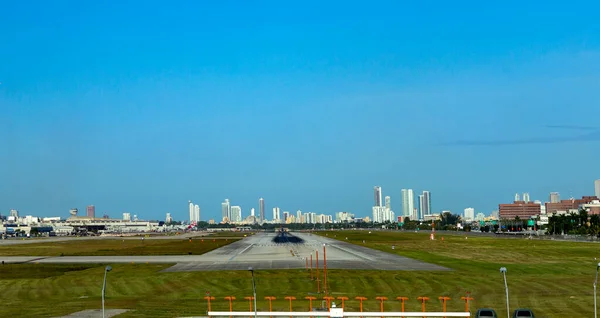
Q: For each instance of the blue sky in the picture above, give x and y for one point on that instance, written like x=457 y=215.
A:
x=141 y=106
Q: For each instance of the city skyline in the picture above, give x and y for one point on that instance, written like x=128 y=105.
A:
x=198 y=101
x=194 y=209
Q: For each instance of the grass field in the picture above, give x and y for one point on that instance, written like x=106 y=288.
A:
x=553 y=278
x=117 y=247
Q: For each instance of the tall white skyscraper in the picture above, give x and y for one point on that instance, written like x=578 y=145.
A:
x=191 y=207
x=236 y=213
x=469 y=214
x=408 y=202
x=299 y=216
x=526 y=197
x=126 y=216
x=226 y=210
x=261 y=209
x=276 y=214
x=168 y=218
x=252 y=212
x=597 y=188
x=517 y=197
x=554 y=197
x=388 y=202
x=196 y=213
x=378 y=196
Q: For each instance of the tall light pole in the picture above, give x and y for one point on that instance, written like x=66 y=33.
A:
x=503 y=271
x=596 y=283
x=106 y=270
x=253 y=290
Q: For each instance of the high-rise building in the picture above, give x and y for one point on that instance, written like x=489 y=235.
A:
x=299 y=217
x=526 y=197
x=261 y=209
x=597 y=188
x=424 y=204
x=388 y=202
x=168 y=218
x=276 y=214
x=91 y=211
x=408 y=202
x=196 y=213
x=226 y=210
x=378 y=198
x=191 y=211
x=286 y=216
x=382 y=214
x=126 y=216
x=517 y=197
x=469 y=214
x=554 y=197
x=236 y=213
x=73 y=212
x=14 y=213
x=252 y=212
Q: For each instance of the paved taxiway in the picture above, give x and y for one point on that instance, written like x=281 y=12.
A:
x=260 y=252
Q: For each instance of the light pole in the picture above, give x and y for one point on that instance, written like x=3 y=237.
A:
x=596 y=283
x=106 y=270
x=253 y=290
x=503 y=271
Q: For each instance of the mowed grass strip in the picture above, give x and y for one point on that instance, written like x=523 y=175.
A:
x=117 y=247
x=552 y=277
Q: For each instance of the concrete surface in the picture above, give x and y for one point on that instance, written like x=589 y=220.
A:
x=260 y=252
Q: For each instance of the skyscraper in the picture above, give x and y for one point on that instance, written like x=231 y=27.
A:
x=276 y=214
x=226 y=210
x=517 y=197
x=408 y=202
x=597 y=188
x=378 y=198
x=236 y=213
x=252 y=212
x=554 y=197
x=388 y=202
x=425 y=204
x=91 y=211
x=261 y=209
x=526 y=197
x=196 y=213
x=191 y=210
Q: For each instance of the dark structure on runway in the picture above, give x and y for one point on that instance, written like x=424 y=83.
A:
x=285 y=237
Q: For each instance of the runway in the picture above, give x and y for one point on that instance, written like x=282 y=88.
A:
x=260 y=252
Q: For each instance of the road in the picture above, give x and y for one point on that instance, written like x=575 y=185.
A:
x=260 y=252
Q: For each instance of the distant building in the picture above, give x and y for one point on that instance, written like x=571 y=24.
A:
x=73 y=212
x=526 y=197
x=382 y=214
x=378 y=194
x=91 y=211
x=424 y=204
x=191 y=211
x=388 y=202
x=554 y=197
x=14 y=213
x=521 y=209
x=261 y=209
x=480 y=217
x=408 y=202
x=568 y=205
x=168 y=218
x=469 y=214
x=196 y=213
x=276 y=214
x=126 y=216
x=226 y=211
x=597 y=188
x=236 y=214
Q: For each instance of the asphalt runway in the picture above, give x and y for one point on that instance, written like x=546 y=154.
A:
x=260 y=252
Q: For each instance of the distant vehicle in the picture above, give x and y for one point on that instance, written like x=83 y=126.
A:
x=523 y=313
x=486 y=313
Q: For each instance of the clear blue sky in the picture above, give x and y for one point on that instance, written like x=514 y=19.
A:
x=141 y=106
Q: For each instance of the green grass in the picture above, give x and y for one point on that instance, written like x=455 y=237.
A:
x=553 y=278
x=117 y=247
